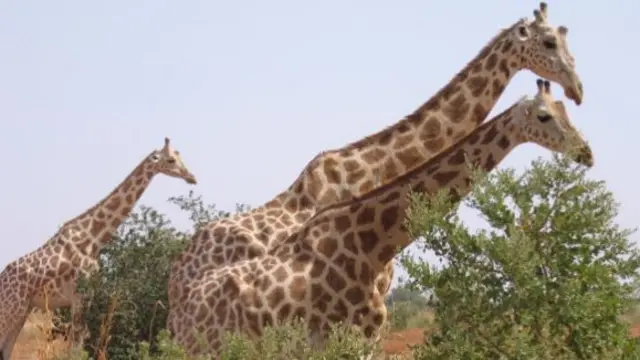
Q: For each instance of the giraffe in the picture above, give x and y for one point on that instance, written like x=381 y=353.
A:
x=47 y=277
x=326 y=271
x=338 y=175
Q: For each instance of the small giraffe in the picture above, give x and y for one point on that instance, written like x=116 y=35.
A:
x=341 y=174
x=47 y=276
x=326 y=272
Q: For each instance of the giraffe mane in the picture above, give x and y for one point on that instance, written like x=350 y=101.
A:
x=460 y=75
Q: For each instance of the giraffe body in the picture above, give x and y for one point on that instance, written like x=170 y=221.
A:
x=47 y=277
x=342 y=174
x=326 y=272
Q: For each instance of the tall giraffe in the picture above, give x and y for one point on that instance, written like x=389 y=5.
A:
x=326 y=271
x=46 y=277
x=339 y=175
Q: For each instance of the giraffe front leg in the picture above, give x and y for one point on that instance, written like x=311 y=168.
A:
x=11 y=341
x=14 y=310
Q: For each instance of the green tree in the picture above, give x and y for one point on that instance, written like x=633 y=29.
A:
x=129 y=293
x=405 y=293
x=408 y=308
x=549 y=278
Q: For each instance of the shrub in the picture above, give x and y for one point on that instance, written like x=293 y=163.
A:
x=548 y=279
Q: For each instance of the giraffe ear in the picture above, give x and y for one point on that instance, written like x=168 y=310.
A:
x=521 y=32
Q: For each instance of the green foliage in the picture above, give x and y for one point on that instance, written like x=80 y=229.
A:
x=133 y=279
x=549 y=279
x=408 y=308
x=288 y=341
x=404 y=293
x=73 y=354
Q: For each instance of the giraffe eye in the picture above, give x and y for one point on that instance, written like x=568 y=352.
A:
x=171 y=160
x=549 y=44
x=544 y=118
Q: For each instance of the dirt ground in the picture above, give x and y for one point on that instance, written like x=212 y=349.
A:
x=33 y=344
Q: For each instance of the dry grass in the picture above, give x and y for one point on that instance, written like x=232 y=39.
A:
x=35 y=340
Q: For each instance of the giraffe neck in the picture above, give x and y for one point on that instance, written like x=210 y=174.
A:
x=375 y=221
x=103 y=219
x=455 y=111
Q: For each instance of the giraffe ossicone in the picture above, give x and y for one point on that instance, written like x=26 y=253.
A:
x=46 y=278
x=326 y=271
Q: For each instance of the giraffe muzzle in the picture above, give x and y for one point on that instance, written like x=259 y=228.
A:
x=584 y=156
x=189 y=178
x=575 y=92
x=573 y=88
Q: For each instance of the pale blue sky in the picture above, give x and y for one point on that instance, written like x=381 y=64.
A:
x=250 y=92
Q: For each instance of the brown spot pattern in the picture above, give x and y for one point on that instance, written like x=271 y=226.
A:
x=389 y=217
x=351 y=165
x=332 y=174
x=431 y=129
x=443 y=178
x=355 y=295
x=497 y=88
x=409 y=157
x=342 y=223
x=477 y=84
x=373 y=156
x=434 y=145
x=490 y=163
x=504 y=69
x=506 y=46
x=335 y=280
x=503 y=143
x=457 y=158
x=366 y=216
x=97 y=227
x=490 y=135
x=479 y=113
x=368 y=240
x=457 y=109
x=327 y=246
x=491 y=62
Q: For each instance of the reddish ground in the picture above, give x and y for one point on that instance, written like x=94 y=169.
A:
x=399 y=342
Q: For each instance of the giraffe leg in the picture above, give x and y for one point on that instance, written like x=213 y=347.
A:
x=13 y=314
x=10 y=342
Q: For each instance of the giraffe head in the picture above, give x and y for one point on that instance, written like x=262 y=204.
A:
x=167 y=161
x=542 y=48
x=544 y=120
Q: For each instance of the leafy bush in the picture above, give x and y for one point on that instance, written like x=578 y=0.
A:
x=549 y=279
x=284 y=342
x=126 y=300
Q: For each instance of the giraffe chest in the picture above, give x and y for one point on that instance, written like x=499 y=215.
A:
x=58 y=279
